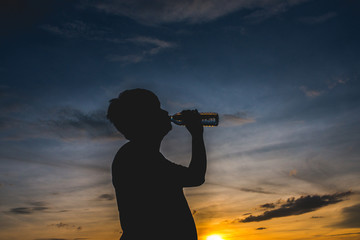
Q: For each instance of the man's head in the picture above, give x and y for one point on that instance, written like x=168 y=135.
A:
x=136 y=113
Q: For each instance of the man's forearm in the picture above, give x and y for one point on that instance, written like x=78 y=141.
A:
x=198 y=159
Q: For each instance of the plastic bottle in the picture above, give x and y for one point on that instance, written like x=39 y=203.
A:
x=208 y=119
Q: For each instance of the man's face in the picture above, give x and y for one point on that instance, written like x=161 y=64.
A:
x=164 y=123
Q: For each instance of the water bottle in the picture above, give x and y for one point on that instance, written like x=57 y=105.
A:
x=208 y=119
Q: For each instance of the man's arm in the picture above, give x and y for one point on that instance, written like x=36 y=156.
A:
x=197 y=167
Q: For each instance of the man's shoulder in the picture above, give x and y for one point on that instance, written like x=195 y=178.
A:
x=122 y=154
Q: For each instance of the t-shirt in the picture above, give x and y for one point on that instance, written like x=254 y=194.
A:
x=150 y=198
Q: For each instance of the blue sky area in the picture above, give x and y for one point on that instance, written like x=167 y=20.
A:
x=283 y=75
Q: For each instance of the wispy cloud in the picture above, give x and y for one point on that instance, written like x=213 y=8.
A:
x=310 y=92
x=331 y=84
x=251 y=190
x=318 y=19
x=77 y=29
x=72 y=124
x=237 y=119
x=150 y=46
x=299 y=206
x=337 y=81
x=268 y=9
x=190 y=11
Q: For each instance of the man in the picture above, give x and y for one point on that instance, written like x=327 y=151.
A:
x=149 y=188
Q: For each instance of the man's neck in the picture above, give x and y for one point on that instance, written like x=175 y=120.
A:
x=150 y=145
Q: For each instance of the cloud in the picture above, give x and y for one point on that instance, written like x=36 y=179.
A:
x=77 y=29
x=311 y=93
x=151 y=46
x=231 y=120
x=318 y=19
x=37 y=207
x=255 y=190
x=151 y=41
x=334 y=82
x=61 y=238
x=107 y=197
x=21 y=210
x=345 y=234
x=66 y=226
x=268 y=205
x=27 y=210
x=299 y=206
x=351 y=217
x=132 y=58
x=73 y=124
x=190 y=11
x=268 y=9
x=261 y=228
x=51 y=239
x=252 y=190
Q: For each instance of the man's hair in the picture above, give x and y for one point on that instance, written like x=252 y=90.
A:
x=128 y=111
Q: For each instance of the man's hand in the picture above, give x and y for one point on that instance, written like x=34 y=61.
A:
x=192 y=120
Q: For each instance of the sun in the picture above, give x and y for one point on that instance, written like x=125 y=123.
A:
x=214 y=237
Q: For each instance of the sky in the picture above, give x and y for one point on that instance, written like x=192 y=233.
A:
x=284 y=77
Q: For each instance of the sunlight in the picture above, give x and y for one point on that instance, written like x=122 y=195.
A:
x=214 y=237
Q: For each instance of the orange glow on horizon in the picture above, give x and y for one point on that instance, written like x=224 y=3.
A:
x=214 y=237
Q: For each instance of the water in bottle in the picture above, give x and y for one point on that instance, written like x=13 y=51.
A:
x=208 y=119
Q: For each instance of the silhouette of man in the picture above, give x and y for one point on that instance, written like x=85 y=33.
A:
x=149 y=188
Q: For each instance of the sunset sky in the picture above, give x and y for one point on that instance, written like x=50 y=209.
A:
x=284 y=77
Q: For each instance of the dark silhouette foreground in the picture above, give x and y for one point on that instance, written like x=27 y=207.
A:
x=149 y=188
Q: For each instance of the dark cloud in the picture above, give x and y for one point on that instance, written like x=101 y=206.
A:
x=255 y=190
x=268 y=205
x=302 y=205
x=21 y=210
x=261 y=228
x=66 y=122
x=190 y=11
x=107 y=197
x=72 y=124
x=345 y=234
x=28 y=210
x=66 y=226
x=351 y=217
x=37 y=207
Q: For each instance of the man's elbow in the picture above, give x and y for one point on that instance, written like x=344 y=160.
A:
x=198 y=181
